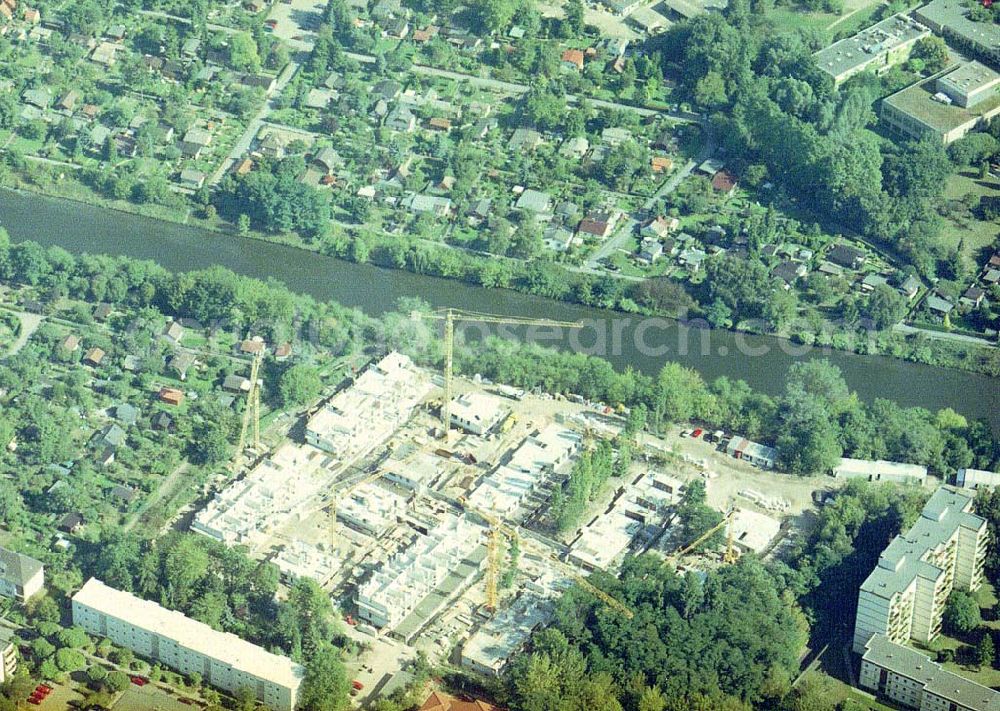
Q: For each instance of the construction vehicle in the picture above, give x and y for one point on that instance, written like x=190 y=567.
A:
x=500 y=529
x=250 y=412
x=449 y=316
x=730 y=555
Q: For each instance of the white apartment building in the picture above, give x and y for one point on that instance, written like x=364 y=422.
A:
x=246 y=511
x=20 y=576
x=394 y=590
x=356 y=420
x=168 y=637
x=411 y=468
x=8 y=654
x=904 y=597
x=477 y=412
x=541 y=453
x=910 y=679
x=371 y=509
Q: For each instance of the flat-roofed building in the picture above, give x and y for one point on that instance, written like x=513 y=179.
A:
x=411 y=468
x=880 y=470
x=877 y=48
x=947 y=107
x=976 y=478
x=477 y=412
x=20 y=576
x=760 y=455
x=909 y=678
x=359 y=418
x=371 y=509
x=951 y=19
x=188 y=646
x=904 y=596
x=399 y=586
x=492 y=646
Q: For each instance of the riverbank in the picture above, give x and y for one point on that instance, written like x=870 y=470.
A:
x=548 y=280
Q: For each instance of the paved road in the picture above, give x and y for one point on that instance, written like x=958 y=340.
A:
x=242 y=145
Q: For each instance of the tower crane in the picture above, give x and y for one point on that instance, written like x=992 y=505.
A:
x=730 y=555
x=251 y=411
x=449 y=316
x=500 y=528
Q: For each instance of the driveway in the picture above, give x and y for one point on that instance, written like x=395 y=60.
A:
x=29 y=323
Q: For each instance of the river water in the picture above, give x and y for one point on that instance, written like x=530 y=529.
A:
x=644 y=344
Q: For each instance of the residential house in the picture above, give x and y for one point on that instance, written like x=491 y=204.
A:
x=102 y=311
x=524 y=139
x=32 y=16
x=328 y=160
x=439 y=124
x=70 y=344
x=163 y=422
x=575 y=147
x=171 y=396
x=534 y=201
x=789 y=271
x=572 y=59
x=692 y=258
x=939 y=305
x=39 y=98
x=973 y=297
x=173 y=332
x=236 y=384
x=661 y=164
x=20 y=577
x=68 y=100
x=397 y=27
x=124 y=494
x=724 y=182
x=191 y=178
x=401 y=119
x=659 y=227
x=615 y=136
x=94 y=357
x=71 y=523
x=252 y=346
x=387 y=89
x=432 y=204
x=127 y=414
x=104 y=54
x=283 y=352
x=650 y=250
x=440 y=701
x=846 y=256
x=181 y=363
x=910 y=287
x=598 y=224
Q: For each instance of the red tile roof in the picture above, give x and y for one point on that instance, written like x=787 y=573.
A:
x=573 y=56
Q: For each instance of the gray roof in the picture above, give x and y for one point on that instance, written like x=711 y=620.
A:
x=902 y=560
x=16 y=568
x=127 y=413
x=534 y=200
x=911 y=664
x=868 y=45
x=952 y=16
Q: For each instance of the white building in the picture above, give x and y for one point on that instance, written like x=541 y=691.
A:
x=168 y=637
x=246 y=511
x=912 y=680
x=414 y=470
x=371 y=509
x=504 y=488
x=356 y=420
x=976 y=478
x=8 y=654
x=752 y=531
x=20 y=576
x=644 y=503
x=298 y=559
x=398 y=586
x=880 y=470
x=477 y=412
x=493 y=645
x=904 y=597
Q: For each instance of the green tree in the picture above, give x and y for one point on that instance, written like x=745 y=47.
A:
x=886 y=306
x=985 y=650
x=243 y=54
x=326 y=686
x=117 y=681
x=70 y=660
x=961 y=613
x=299 y=384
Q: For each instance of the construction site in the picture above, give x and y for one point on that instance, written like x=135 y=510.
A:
x=413 y=498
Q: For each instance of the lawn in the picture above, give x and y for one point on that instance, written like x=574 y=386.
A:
x=857 y=14
x=987 y=676
x=973 y=234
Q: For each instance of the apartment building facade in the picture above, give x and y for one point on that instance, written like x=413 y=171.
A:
x=185 y=645
x=8 y=654
x=910 y=679
x=904 y=596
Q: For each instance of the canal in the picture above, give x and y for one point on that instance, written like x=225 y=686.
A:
x=625 y=340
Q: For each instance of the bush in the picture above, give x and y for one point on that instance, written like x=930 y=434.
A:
x=70 y=660
x=97 y=674
x=117 y=681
